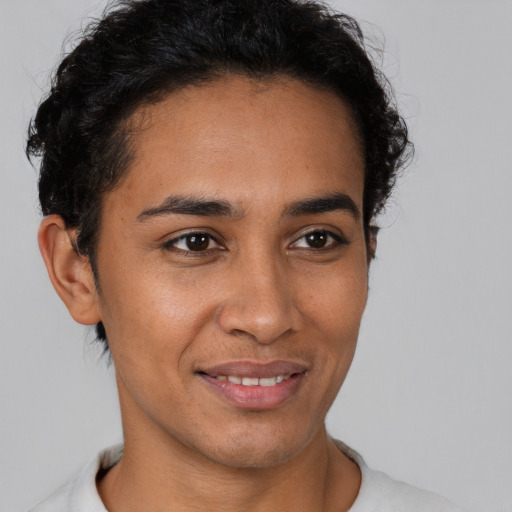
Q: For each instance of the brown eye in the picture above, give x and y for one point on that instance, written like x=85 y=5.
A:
x=192 y=242
x=317 y=239
x=197 y=242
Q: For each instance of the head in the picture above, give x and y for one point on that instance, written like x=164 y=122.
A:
x=143 y=50
x=267 y=123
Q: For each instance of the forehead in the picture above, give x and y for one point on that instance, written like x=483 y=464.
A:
x=238 y=136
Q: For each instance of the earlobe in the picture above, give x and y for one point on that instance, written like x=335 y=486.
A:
x=372 y=242
x=69 y=272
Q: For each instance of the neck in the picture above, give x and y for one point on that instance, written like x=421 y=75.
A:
x=159 y=473
x=320 y=478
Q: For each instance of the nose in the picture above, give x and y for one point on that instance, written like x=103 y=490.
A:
x=260 y=303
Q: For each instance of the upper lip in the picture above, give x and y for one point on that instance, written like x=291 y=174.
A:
x=255 y=368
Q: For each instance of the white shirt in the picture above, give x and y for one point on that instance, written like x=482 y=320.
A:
x=378 y=492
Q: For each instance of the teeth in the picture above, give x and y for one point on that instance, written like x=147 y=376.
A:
x=254 y=381
x=250 y=381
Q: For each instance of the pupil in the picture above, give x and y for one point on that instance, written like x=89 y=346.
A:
x=317 y=240
x=198 y=242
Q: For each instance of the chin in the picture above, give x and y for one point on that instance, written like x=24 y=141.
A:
x=251 y=457
x=256 y=448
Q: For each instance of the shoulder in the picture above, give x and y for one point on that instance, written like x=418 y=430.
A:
x=379 y=490
x=380 y=493
x=56 y=502
x=80 y=493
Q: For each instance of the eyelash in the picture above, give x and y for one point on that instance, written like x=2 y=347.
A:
x=338 y=239
x=170 y=245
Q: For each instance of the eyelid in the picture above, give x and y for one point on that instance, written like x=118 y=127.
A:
x=170 y=244
x=338 y=237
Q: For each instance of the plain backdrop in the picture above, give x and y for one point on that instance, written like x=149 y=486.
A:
x=428 y=398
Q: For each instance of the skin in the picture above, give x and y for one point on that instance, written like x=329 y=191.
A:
x=260 y=290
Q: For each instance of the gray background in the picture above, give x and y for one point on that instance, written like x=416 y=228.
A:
x=428 y=399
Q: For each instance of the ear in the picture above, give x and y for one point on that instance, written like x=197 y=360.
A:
x=372 y=242
x=69 y=272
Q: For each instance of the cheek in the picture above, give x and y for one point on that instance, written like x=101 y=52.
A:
x=334 y=307
x=336 y=299
x=150 y=312
x=152 y=322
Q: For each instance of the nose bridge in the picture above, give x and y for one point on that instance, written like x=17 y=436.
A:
x=261 y=303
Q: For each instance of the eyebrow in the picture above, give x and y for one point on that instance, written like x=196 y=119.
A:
x=204 y=207
x=186 y=205
x=329 y=203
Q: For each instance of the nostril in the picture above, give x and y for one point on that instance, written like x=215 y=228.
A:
x=242 y=334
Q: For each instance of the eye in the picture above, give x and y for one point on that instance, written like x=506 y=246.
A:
x=318 y=239
x=192 y=242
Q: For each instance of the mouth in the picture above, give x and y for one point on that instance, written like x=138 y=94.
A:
x=254 y=381
x=255 y=386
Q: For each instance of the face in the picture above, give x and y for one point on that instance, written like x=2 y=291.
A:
x=233 y=268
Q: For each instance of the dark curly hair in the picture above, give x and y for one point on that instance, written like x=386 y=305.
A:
x=141 y=50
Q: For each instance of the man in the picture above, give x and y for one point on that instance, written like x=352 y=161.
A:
x=211 y=173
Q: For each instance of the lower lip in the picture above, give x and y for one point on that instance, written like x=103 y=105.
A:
x=255 y=398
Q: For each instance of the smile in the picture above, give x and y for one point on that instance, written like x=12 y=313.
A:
x=255 y=385
x=254 y=381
